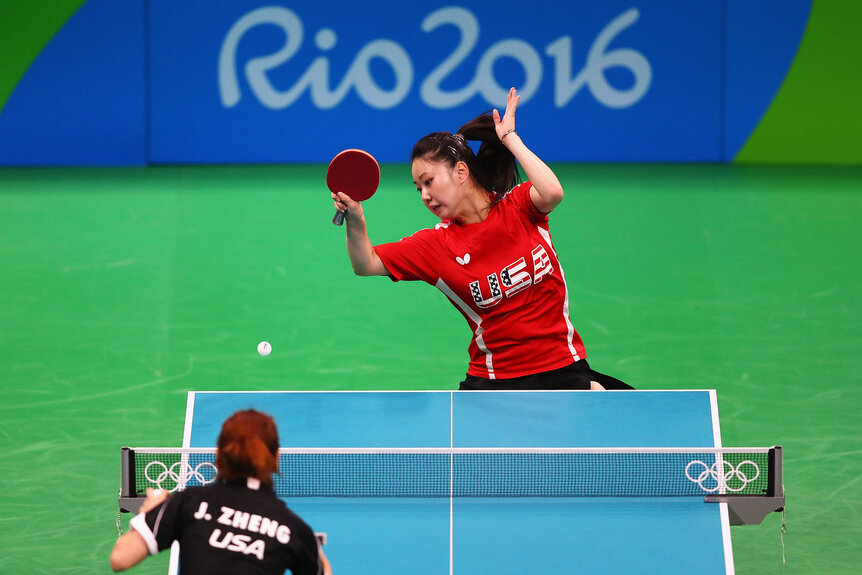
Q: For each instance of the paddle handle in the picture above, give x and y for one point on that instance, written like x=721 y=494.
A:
x=338 y=219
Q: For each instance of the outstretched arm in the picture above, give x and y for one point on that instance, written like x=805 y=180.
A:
x=363 y=258
x=131 y=549
x=546 y=192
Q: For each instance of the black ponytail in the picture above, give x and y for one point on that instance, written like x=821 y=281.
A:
x=493 y=166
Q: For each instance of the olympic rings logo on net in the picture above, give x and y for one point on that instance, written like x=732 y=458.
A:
x=726 y=476
x=180 y=473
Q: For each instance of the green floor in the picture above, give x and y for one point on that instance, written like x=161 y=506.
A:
x=123 y=289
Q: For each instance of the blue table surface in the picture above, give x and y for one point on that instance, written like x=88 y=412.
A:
x=502 y=535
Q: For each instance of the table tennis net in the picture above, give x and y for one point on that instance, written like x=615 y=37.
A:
x=457 y=472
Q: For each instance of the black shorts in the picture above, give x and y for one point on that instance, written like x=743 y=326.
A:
x=577 y=375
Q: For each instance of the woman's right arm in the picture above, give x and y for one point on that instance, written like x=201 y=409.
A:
x=363 y=258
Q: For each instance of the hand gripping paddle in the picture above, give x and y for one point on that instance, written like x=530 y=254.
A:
x=354 y=172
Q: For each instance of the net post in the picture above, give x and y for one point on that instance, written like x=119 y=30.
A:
x=752 y=509
x=776 y=464
x=129 y=501
x=127 y=460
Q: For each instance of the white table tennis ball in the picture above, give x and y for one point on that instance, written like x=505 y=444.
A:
x=263 y=348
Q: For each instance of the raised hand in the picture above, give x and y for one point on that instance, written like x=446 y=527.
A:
x=506 y=124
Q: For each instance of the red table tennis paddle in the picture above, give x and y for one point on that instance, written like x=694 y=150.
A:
x=354 y=172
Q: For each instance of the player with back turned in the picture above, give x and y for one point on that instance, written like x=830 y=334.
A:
x=491 y=255
x=236 y=525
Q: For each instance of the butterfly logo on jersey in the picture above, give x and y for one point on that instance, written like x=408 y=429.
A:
x=463 y=261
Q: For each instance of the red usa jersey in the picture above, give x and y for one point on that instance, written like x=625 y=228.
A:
x=504 y=277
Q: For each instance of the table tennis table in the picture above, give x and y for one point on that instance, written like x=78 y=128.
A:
x=468 y=535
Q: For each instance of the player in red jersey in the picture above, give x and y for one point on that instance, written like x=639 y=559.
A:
x=491 y=255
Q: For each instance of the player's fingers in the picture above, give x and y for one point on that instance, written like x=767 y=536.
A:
x=324 y=562
x=154 y=498
x=347 y=200
x=156 y=494
x=512 y=100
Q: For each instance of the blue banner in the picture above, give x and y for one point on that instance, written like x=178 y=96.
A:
x=244 y=81
x=297 y=81
x=82 y=102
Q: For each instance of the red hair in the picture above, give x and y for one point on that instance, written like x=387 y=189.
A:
x=248 y=447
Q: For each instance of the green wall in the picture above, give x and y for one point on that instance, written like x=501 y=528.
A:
x=816 y=117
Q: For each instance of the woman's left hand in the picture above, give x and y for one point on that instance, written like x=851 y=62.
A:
x=154 y=498
x=507 y=122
